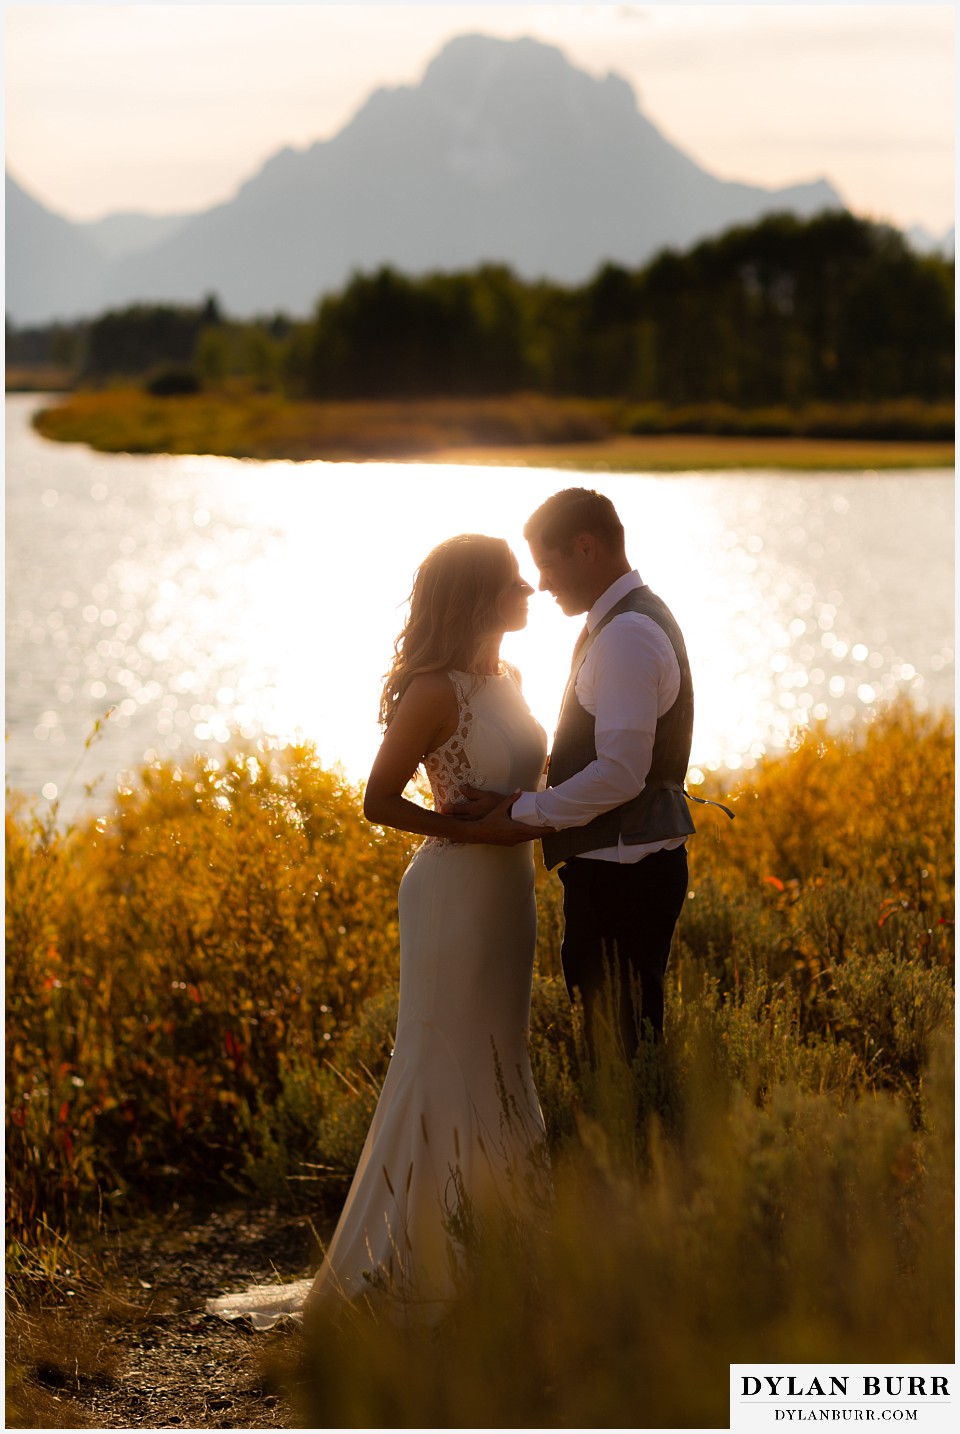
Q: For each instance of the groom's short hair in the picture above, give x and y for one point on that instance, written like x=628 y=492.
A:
x=556 y=523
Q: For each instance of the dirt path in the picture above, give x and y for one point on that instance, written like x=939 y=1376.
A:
x=141 y=1352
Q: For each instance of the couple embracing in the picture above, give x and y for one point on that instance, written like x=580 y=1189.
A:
x=458 y=1117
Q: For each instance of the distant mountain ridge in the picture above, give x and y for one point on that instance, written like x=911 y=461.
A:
x=505 y=152
x=117 y=235
x=53 y=269
x=921 y=241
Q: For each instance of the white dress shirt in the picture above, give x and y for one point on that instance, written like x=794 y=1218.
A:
x=628 y=679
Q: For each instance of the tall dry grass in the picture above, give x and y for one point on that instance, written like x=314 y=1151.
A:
x=788 y=1230
x=201 y=996
x=169 y=964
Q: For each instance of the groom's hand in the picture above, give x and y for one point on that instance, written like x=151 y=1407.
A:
x=476 y=804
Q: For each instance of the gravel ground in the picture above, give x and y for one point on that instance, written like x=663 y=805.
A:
x=137 y=1350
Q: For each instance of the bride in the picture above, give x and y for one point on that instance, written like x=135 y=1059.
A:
x=458 y=1128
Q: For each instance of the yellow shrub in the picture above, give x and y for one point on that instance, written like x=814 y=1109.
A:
x=186 y=973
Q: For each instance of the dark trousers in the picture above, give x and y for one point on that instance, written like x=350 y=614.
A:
x=618 y=924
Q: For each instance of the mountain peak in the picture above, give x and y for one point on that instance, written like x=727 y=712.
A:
x=467 y=59
x=474 y=71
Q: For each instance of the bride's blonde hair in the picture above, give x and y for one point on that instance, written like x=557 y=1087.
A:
x=454 y=605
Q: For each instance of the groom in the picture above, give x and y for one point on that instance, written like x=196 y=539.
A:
x=614 y=794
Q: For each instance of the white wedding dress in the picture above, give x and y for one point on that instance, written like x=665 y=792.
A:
x=458 y=1114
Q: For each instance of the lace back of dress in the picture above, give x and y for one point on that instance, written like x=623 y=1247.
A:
x=448 y=768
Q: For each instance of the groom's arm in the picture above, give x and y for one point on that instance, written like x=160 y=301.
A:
x=631 y=677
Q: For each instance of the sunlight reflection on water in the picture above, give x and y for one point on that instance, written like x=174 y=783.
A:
x=202 y=597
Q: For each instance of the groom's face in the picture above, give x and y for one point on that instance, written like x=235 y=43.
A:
x=568 y=575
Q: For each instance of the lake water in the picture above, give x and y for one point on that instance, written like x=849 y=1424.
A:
x=203 y=597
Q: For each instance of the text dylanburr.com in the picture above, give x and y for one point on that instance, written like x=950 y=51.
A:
x=781 y=1397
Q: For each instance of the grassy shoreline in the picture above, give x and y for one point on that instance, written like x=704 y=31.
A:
x=519 y=430
x=670 y=453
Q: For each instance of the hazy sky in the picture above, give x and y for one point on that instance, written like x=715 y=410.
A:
x=165 y=108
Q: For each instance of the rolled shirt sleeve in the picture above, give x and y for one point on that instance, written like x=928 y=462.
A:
x=629 y=678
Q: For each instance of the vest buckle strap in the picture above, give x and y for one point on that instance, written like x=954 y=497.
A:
x=706 y=802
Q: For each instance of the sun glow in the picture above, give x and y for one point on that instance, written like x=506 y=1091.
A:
x=323 y=593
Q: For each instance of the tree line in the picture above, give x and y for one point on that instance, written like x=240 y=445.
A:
x=833 y=309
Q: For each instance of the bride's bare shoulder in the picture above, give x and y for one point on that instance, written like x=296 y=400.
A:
x=430 y=693
x=430 y=686
x=428 y=711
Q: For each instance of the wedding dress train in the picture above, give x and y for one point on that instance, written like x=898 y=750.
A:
x=458 y=1127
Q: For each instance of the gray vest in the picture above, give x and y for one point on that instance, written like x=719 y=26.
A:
x=660 y=811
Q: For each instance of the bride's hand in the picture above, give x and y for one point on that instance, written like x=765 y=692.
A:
x=498 y=828
x=475 y=804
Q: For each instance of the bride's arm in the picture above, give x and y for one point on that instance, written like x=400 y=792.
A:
x=425 y=717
